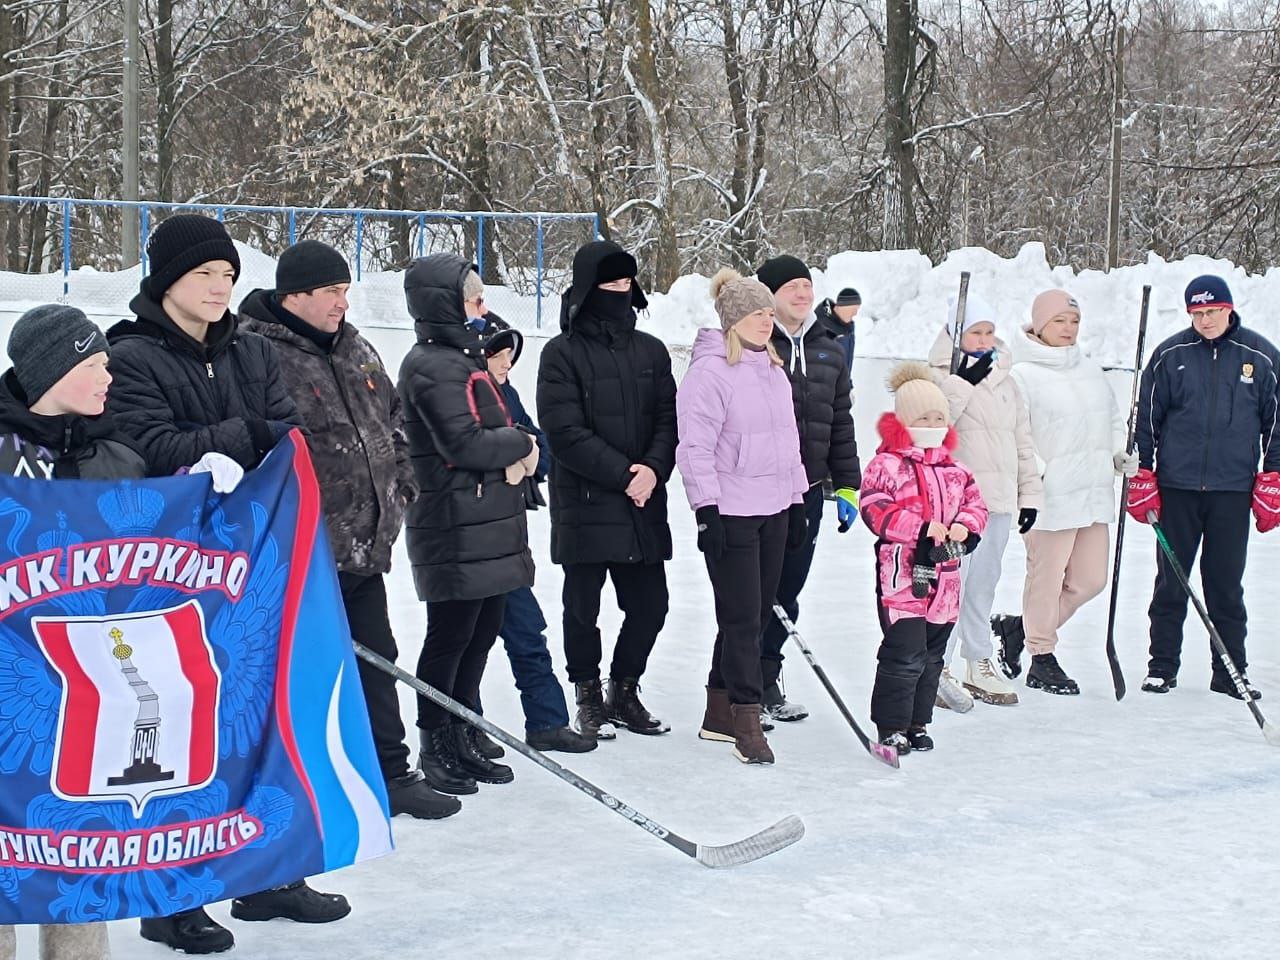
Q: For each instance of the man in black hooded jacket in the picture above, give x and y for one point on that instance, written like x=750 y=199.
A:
x=607 y=403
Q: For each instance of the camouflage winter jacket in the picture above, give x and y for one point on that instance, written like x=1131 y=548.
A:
x=352 y=411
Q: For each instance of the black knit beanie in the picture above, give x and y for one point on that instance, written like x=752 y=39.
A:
x=310 y=265
x=182 y=243
x=777 y=271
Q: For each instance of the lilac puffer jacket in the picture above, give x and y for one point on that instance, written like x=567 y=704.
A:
x=739 y=447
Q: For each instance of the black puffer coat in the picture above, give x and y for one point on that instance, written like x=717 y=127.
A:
x=824 y=407
x=606 y=400
x=466 y=532
x=179 y=399
x=61 y=447
x=358 y=445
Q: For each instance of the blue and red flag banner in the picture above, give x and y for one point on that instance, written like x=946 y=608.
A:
x=181 y=719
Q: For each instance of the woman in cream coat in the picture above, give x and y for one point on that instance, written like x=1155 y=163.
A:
x=994 y=435
x=1079 y=440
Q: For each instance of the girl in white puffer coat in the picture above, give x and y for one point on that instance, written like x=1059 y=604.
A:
x=993 y=431
x=1079 y=438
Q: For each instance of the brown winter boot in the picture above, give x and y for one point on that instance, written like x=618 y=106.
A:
x=717 y=722
x=750 y=746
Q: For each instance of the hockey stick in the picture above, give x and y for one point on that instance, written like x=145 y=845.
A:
x=958 y=332
x=1219 y=647
x=885 y=754
x=770 y=840
x=1117 y=678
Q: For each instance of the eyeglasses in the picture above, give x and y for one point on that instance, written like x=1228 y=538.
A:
x=476 y=300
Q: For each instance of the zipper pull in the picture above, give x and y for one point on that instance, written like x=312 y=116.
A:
x=209 y=367
x=480 y=490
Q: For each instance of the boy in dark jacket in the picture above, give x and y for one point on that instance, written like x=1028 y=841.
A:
x=523 y=631
x=189 y=383
x=820 y=388
x=361 y=457
x=607 y=402
x=1206 y=413
x=839 y=317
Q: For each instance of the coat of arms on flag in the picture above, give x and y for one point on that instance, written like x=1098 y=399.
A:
x=140 y=695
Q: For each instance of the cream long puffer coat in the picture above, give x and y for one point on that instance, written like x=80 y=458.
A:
x=993 y=428
x=1077 y=430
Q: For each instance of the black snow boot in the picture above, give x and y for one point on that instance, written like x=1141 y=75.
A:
x=1008 y=630
x=191 y=931
x=485 y=745
x=592 y=721
x=1220 y=683
x=410 y=794
x=1046 y=674
x=439 y=764
x=294 y=901
x=625 y=709
x=559 y=738
x=475 y=765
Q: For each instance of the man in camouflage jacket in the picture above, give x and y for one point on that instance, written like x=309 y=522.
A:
x=361 y=454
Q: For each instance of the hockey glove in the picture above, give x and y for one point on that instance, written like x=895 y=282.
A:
x=846 y=508
x=1266 y=501
x=710 y=531
x=1027 y=518
x=973 y=371
x=1144 y=496
x=797 y=527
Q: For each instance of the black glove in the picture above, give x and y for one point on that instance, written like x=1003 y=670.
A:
x=1027 y=518
x=797 y=526
x=973 y=371
x=710 y=531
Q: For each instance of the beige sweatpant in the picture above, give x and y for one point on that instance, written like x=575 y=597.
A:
x=76 y=941
x=1065 y=570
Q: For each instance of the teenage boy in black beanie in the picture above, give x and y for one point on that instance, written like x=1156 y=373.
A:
x=821 y=391
x=361 y=455
x=187 y=383
x=838 y=317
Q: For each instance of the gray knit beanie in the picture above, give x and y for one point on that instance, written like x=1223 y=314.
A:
x=47 y=342
x=737 y=296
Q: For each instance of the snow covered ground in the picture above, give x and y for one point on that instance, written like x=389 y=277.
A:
x=1061 y=827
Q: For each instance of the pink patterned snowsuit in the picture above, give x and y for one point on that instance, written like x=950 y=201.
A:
x=904 y=487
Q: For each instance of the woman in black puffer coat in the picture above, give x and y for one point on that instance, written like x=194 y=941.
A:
x=466 y=532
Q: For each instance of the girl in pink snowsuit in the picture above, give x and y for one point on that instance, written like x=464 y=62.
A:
x=926 y=511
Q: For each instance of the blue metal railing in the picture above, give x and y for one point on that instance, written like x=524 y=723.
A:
x=422 y=218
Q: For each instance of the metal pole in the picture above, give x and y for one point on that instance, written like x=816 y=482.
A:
x=422 y=233
x=66 y=249
x=538 y=276
x=359 y=243
x=480 y=246
x=293 y=227
x=1117 y=121
x=130 y=230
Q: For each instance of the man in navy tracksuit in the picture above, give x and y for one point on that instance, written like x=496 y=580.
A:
x=1206 y=413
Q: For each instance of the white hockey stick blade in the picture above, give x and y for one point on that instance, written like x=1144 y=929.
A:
x=769 y=840
x=1272 y=733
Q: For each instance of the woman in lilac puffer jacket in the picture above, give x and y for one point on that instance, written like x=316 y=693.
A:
x=739 y=456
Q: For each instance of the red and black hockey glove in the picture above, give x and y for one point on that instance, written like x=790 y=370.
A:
x=1144 y=496
x=1266 y=500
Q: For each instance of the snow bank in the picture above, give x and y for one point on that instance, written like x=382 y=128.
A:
x=904 y=297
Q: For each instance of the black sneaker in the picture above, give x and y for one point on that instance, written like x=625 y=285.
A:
x=560 y=738
x=896 y=739
x=1045 y=674
x=1008 y=630
x=1159 y=684
x=777 y=707
x=412 y=795
x=191 y=931
x=624 y=708
x=920 y=741
x=1220 y=684
x=295 y=901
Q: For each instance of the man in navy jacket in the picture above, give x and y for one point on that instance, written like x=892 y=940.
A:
x=1206 y=413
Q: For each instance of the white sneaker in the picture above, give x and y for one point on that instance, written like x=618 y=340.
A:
x=985 y=682
x=952 y=696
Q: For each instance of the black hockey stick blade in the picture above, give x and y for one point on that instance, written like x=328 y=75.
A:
x=1269 y=730
x=782 y=834
x=885 y=754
